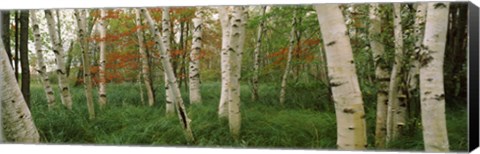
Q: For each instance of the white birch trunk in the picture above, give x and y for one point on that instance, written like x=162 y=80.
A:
x=170 y=106
x=419 y=27
x=350 y=115
x=41 y=68
x=144 y=60
x=235 y=51
x=80 y=15
x=432 y=92
x=381 y=75
x=59 y=58
x=395 y=111
x=256 y=57
x=289 y=60
x=17 y=123
x=224 y=15
x=194 y=74
x=102 y=93
x=172 y=81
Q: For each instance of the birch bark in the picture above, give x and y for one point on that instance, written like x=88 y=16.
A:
x=432 y=93
x=41 y=67
x=350 y=115
x=59 y=58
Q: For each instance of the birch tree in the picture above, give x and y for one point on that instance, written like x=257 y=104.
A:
x=41 y=67
x=289 y=60
x=432 y=92
x=349 y=111
x=396 y=106
x=235 y=51
x=170 y=106
x=144 y=60
x=17 y=123
x=80 y=15
x=256 y=56
x=59 y=58
x=224 y=16
x=194 y=74
x=381 y=74
x=172 y=81
x=102 y=100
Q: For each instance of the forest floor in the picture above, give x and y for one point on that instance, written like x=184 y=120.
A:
x=307 y=121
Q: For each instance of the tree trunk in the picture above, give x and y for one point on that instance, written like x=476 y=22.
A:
x=432 y=92
x=224 y=15
x=24 y=56
x=396 y=109
x=144 y=60
x=69 y=59
x=194 y=74
x=170 y=106
x=172 y=81
x=102 y=100
x=350 y=115
x=59 y=56
x=381 y=74
x=80 y=15
x=235 y=51
x=6 y=34
x=256 y=56
x=41 y=68
x=16 y=58
x=289 y=60
x=17 y=122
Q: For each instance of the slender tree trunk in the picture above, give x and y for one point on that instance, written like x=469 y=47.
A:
x=256 y=56
x=396 y=109
x=350 y=115
x=102 y=100
x=60 y=57
x=194 y=74
x=24 y=56
x=6 y=34
x=224 y=15
x=16 y=58
x=172 y=81
x=432 y=92
x=381 y=74
x=69 y=59
x=235 y=51
x=289 y=60
x=170 y=106
x=80 y=15
x=41 y=68
x=17 y=122
x=144 y=60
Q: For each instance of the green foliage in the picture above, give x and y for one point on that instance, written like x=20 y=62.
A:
x=306 y=121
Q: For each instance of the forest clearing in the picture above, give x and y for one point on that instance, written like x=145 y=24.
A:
x=388 y=76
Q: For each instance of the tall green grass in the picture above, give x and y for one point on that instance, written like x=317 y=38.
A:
x=307 y=120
